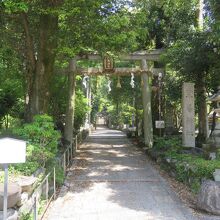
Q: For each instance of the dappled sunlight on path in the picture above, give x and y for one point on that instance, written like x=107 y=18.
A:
x=111 y=179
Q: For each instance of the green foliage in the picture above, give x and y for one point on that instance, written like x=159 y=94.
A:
x=190 y=169
x=59 y=96
x=191 y=56
x=81 y=108
x=100 y=96
x=59 y=101
x=167 y=143
x=104 y=26
x=26 y=216
x=42 y=140
x=124 y=101
x=8 y=100
x=11 y=91
x=202 y=168
x=119 y=103
x=162 y=22
x=40 y=132
x=27 y=169
x=123 y=116
x=114 y=115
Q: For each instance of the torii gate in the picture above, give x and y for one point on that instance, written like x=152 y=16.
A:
x=146 y=73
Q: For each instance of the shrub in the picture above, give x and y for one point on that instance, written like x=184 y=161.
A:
x=26 y=169
x=167 y=143
x=42 y=141
x=190 y=169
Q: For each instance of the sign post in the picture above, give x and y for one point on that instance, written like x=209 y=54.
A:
x=11 y=151
x=160 y=124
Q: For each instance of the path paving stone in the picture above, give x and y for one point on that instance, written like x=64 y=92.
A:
x=111 y=179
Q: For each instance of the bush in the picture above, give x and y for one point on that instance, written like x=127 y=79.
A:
x=42 y=141
x=26 y=169
x=201 y=167
x=167 y=143
x=190 y=169
x=162 y=145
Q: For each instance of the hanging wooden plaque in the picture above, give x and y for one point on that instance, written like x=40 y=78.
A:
x=108 y=64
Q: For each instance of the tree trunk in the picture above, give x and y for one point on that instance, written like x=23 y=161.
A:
x=40 y=58
x=202 y=110
x=30 y=63
x=158 y=103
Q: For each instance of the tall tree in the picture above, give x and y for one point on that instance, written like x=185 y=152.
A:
x=39 y=21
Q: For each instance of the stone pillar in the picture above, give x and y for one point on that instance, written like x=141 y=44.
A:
x=146 y=95
x=69 y=120
x=188 y=114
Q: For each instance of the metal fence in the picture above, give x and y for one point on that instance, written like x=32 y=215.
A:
x=66 y=159
x=46 y=191
x=43 y=195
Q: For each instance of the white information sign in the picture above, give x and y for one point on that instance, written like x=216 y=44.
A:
x=12 y=151
x=160 y=124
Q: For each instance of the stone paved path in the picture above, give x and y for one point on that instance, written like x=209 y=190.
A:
x=112 y=180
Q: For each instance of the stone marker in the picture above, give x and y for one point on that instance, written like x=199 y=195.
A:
x=209 y=197
x=188 y=112
x=14 y=195
x=11 y=215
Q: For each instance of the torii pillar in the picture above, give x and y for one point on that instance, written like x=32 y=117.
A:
x=146 y=95
x=69 y=120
